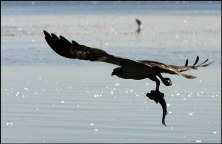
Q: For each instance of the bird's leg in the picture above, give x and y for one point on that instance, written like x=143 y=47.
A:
x=156 y=95
x=166 y=81
x=157 y=86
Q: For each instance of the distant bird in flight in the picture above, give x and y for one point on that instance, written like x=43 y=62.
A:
x=139 y=25
x=128 y=69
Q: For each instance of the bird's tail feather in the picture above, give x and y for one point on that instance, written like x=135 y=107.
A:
x=188 y=76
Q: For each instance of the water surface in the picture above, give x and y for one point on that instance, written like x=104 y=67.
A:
x=47 y=98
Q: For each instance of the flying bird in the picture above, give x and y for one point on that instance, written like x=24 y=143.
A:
x=139 y=25
x=128 y=69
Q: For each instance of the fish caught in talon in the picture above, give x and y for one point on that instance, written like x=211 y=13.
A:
x=158 y=97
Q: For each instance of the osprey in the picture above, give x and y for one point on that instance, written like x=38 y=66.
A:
x=128 y=69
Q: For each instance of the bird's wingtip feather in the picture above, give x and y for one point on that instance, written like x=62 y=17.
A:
x=46 y=33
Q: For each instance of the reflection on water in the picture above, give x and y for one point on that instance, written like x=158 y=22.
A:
x=47 y=98
x=76 y=106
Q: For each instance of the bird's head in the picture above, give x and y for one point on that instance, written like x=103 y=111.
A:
x=117 y=71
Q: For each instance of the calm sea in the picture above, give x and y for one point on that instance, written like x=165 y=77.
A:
x=111 y=8
x=47 y=98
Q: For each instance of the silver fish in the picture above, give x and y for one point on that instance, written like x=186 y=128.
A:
x=158 y=97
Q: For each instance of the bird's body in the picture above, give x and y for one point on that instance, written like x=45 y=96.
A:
x=135 y=73
x=129 y=69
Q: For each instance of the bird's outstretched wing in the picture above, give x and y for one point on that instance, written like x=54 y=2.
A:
x=172 y=69
x=76 y=51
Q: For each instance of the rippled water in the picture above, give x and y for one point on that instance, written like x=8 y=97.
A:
x=48 y=104
x=47 y=98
